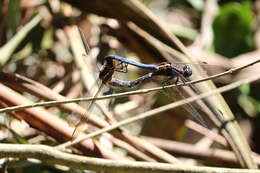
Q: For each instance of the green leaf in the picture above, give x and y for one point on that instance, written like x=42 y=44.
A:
x=19 y=139
x=14 y=15
x=245 y=89
x=47 y=40
x=233 y=29
x=249 y=104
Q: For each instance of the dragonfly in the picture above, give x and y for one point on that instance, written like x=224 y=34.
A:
x=171 y=70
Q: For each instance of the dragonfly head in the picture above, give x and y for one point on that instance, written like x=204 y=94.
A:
x=187 y=72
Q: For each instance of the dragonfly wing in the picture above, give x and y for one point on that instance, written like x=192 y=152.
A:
x=89 y=107
x=189 y=107
x=90 y=87
x=85 y=43
x=208 y=68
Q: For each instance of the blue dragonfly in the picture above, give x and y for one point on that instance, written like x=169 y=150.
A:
x=171 y=70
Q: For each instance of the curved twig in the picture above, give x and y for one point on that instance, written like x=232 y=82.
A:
x=50 y=155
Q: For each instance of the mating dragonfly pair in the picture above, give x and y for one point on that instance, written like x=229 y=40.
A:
x=170 y=70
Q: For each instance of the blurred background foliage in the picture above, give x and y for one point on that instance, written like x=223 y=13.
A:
x=44 y=54
x=235 y=23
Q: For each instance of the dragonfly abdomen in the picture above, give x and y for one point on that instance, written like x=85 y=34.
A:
x=128 y=61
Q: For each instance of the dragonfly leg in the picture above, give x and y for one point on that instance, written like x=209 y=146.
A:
x=122 y=67
x=183 y=80
x=167 y=81
x=125 y=67
x=177 y=80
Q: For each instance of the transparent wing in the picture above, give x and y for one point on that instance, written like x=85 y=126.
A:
x=191 y=108
x=85 y=43
x=177 y=93
x=203 y=64
x=91 y=103
x=209 y=68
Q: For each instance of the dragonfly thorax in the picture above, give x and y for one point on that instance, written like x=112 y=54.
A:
x=107 y=71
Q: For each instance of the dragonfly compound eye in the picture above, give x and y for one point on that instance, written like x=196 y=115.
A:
x=187 y=72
